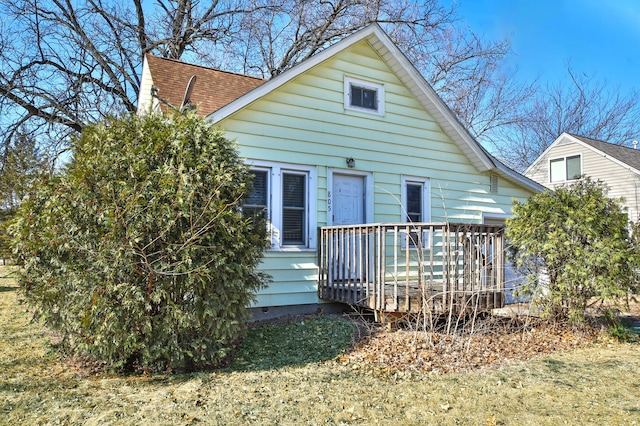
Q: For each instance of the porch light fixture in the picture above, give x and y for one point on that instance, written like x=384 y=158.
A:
x=351 y=163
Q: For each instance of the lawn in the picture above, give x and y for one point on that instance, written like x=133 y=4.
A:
x=299 y=373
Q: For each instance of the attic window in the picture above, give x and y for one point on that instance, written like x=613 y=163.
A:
x=363 y=96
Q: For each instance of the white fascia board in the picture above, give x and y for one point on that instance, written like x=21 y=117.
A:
x=437 y=108
x=518 y=178
x=607 y=156
x=403 y=68
x=288 y=75
x=560 y=138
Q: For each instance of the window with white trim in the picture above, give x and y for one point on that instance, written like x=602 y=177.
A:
x=284 y=195
x=363 y=96
x=256 y=205
x=565 y=168
x=294 y=208
x=416 y=206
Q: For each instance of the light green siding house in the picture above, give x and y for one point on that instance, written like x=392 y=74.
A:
x=353 y=135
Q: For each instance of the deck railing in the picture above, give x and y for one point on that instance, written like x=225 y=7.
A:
x=411 y=267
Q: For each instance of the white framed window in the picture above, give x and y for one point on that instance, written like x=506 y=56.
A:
x=416 y=206
x=256 y=205
x=564 y=169
x=363 y=96
x=284 y=195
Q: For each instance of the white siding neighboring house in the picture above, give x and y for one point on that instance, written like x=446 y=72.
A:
x=352 y=135
x=571 y=156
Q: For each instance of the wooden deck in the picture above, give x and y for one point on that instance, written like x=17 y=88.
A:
x=413 y=268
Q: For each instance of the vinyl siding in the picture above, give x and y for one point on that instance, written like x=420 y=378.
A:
x=304 y=122
x=621 y=181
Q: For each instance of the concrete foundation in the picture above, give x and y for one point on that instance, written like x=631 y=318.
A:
x=271 y=312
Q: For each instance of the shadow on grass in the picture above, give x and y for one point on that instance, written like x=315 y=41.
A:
x=294 y=343
x=4 y=289
x=554 y=365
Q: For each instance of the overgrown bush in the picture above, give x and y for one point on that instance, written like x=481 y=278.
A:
x=574 y=245
x=137 y=252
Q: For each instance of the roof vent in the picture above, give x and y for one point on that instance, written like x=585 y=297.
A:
x=493 y=183
x=635 y=144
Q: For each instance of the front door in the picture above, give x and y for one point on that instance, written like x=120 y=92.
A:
x=348 y=200
x=348 y=209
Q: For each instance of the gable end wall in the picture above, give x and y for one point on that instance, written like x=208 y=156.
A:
x=621 y=181
x=304 y=122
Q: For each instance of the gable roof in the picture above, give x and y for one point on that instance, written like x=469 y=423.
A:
x=623 y=154
x=413 y=79
x=213 y=88
x=219 y=94
x=629 y=158
x=402 y=67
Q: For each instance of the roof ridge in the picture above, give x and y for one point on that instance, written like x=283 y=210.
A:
x=177 y=61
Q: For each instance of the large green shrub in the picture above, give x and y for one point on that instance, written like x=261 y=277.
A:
x=574 y=245
x=138 y=253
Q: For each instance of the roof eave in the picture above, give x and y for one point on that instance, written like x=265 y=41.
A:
x=518 y=178
x=403 y=68
x=574 y=139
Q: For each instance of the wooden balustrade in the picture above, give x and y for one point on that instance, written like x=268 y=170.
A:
x=413 y=267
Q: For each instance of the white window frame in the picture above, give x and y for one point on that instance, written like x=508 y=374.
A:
x=275 y=207
x=564 y=166
x=426 y=204
x=268 y=206
x=350 y=82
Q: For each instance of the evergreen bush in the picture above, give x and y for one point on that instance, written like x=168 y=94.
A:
x=138 y=252
x=575 y=247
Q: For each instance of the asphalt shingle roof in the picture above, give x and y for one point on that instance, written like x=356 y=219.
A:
x=212 y=89
x=629 y=156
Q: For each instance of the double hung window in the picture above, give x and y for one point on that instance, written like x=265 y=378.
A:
x=284 y=196
x=294 y=208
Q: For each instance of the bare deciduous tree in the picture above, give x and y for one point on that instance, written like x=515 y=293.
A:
x=66 y=64
x=584 y=105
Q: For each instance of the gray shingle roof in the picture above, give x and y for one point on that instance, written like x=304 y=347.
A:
x=621 y=153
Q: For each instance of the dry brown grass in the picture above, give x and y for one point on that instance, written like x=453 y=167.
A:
x=597 y=384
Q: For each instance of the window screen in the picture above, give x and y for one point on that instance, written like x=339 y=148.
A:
x=573 y=167
x=556 y=170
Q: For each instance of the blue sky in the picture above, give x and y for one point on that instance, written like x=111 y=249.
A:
x=596 y=37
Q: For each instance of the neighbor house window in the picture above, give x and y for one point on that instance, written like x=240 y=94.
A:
x=284 y=195
x=363 y=96
x=565 y=169
x=416 y=206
